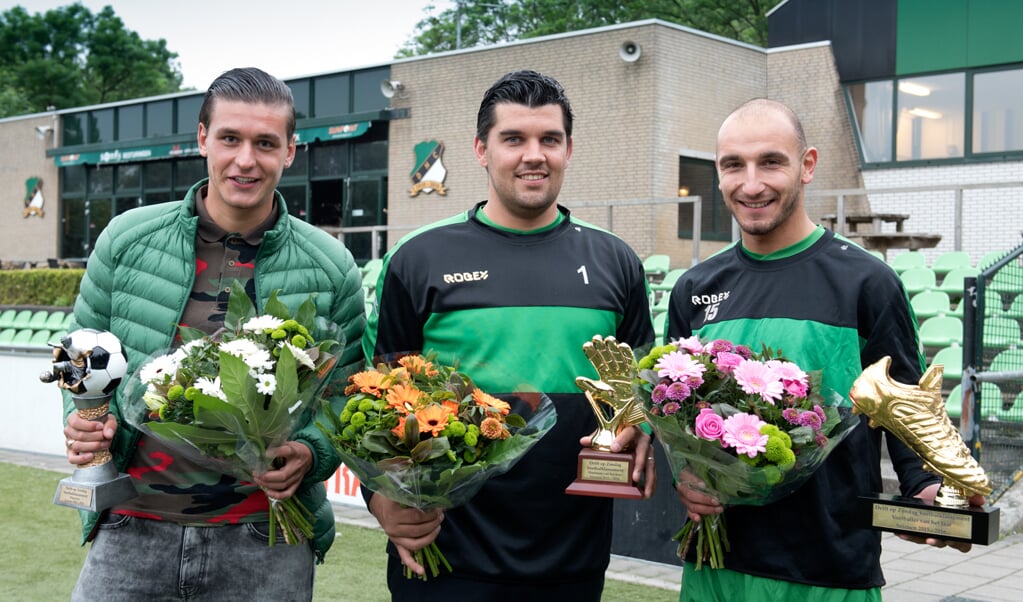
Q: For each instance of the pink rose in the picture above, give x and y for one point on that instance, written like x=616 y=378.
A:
x=709 y=425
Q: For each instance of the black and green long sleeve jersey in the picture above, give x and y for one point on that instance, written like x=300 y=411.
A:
x=514 y=309
x=827 y=305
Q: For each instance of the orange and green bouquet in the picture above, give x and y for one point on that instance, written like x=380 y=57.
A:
x=753 y=427
x=424 y=435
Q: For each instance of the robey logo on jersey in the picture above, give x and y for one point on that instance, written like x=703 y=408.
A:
x=711 y=303
x=465 y=277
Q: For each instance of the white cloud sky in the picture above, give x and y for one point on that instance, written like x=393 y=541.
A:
x=286 y=38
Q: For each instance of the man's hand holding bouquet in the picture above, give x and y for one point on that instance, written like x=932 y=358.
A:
x=423 y=435
x=738 y=427
x=233 y=400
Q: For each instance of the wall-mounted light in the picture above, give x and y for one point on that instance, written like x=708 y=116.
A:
x=914 y=89
x=683 y=191
x=925 y=113
x=42 y=131
x=390 y=87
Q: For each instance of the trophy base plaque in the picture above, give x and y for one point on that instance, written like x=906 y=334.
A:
x=912 y=516
x=94 y=488
x=605 y=474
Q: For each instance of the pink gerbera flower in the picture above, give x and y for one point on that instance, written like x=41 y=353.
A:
x=742 y=431
x=758 y=378
x=679 y=366
x=690 y=345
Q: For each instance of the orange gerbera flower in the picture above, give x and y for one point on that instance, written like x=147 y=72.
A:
x=490 y=402
x=370 y=382
x=450 y=406
x=418 y=366
x=432 y=419
x=491 y=428
x=403 y=397
x=399 y=431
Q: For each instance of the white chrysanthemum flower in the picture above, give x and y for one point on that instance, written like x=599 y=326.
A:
x=210 y=387
x=262 y=323
x=185 y=350
x=300 y=356
x=266 y=384
x=154 y=401
x=260 y=360
x=159 y=371
x=242 y=348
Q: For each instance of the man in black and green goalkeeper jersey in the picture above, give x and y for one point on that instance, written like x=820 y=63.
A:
x=511 y=289
x=828 y=305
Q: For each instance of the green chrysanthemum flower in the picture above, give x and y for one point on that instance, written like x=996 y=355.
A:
x=191 y=393
x=358 y=420
x=775 y=449
x=279 y=334
x=366 y=405
x=455 y=429
x=175 y=392
x=299 y=341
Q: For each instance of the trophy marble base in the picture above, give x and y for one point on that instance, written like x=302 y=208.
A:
x=94 y=488
x=912 y=516
x=605 y=474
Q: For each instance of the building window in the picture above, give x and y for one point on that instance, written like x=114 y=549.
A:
x=129 y=122
x=997 y=98
x=160 y=118
x=101 y=126
x=931 y=122
x=188 y=115
x=300 y=92
x=330 y=95
x=872 y=110
x=698 y=177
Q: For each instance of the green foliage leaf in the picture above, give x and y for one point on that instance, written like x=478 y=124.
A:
x=429 y=449
x=275 y=307
x=239 y=387
x=191 y=434
x=239 y=307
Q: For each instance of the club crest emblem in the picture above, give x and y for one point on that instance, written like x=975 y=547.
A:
x=33 y=197
x=429 y=173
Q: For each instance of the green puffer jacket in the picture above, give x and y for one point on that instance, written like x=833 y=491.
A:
x=138 y=281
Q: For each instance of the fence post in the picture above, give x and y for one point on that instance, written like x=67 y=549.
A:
x=969 y=425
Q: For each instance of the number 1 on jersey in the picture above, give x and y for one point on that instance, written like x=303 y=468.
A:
x=582 y=270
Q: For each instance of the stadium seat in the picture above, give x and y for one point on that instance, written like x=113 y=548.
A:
x=1009 y=280
x=7 y=318
x=1010 y=360
x=952 y=283
x=1000 y=332
x=659 y=323
x=22 y=318
x=952 y=360
x=990 y=258
x=954 y=402
x=7 y=335
x=40 y=337
x=371 y=273
x=38 y=319
x=661 y=305
x=22 y=337
x=928 y=304
x=917 y=280
x=992 y=304
x=665 y=285
x=56 y=320
x=908 y=259
x=1015 y=308
x=656 y=266
x=947 y=261
x=941 y=331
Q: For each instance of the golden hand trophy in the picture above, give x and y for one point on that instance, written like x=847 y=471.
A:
x=917 y=416
x=602 y=472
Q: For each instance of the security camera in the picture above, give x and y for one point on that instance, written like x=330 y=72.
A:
x=390 y=87
x=629 y=51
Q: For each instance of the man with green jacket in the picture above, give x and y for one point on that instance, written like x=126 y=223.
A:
x=194 y=531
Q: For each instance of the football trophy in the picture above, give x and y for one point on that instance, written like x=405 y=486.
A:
x=917 y=417
x=90 y=364
x=601 y=472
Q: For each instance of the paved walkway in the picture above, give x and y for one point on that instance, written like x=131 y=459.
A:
x=914 y=573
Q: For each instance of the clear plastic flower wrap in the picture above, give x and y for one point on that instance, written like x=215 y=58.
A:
x=224 y=400
x=745 y=428
x=423 y=435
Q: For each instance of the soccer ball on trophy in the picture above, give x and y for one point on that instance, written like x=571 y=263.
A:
x=89 y=363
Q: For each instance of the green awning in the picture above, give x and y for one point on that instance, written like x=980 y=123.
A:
x=129 y=155
x=332 y=132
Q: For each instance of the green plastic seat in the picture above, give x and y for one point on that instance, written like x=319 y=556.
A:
x=918 y=280
x=661 y=305
x=22 y=337
x=949 y=260
x=908 y=259
x=22 y=319
x=952 y=283
x=990 y=258
x=660 y=321
x=56 y=320
x=7 y=318
x=670 y=278
x=40 y=338
x=1008 y=280
x=656 y=266
x=954 y=402
x=1000 y=332
x=38 y=319
x=951 y=358
x=1015 y=308
x=927 y=304
x=941 y=331
x=1010 y=360
x=7 y=335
